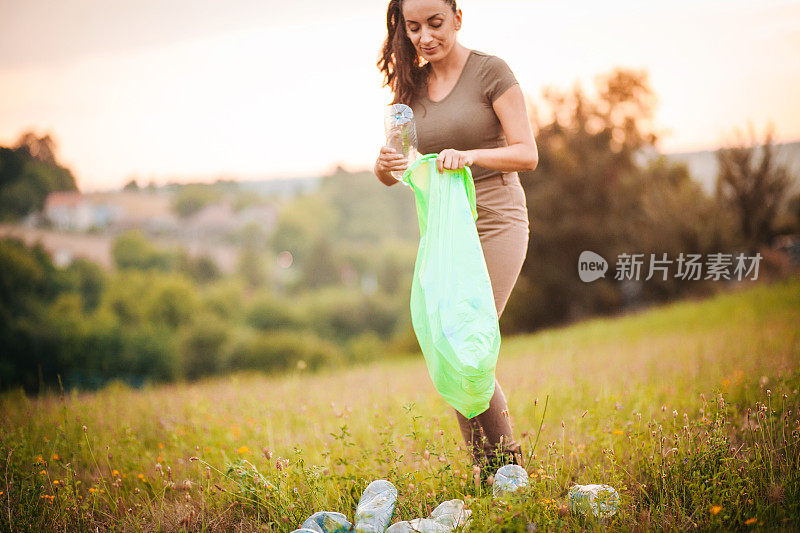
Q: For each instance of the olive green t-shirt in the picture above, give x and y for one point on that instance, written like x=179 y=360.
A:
x=465 y=119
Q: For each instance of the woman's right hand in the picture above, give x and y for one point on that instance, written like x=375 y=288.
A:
x=389 y=160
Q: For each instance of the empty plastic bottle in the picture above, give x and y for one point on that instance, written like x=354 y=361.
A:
x=601 y=500
x=375 y=508
x=451 y=514
x=445 y=518
x=401 y=134
x=509 y=478
x=325 y=522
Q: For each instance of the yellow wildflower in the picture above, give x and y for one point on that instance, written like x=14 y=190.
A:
x=243 y=449
x=715 y=509
x=115 y=472
x=56 y=457
x=618 y=432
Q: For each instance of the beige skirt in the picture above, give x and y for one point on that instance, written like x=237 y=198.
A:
x=503 y=230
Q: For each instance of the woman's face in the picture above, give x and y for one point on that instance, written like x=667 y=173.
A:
x=431 y=25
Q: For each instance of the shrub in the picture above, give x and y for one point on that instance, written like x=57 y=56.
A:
x=282 y=350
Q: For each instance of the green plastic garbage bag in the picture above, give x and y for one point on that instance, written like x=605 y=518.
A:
x=452 y=304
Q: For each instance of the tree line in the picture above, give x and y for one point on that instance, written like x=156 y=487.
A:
x=339 y=290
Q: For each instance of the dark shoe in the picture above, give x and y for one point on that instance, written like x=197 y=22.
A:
x=491 y=462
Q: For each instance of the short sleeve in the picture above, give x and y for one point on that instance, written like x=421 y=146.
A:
x=497 y=77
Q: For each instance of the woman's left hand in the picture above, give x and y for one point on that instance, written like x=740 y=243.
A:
x=451 y=159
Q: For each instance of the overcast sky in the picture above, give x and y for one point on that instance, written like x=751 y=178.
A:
x=247 y=89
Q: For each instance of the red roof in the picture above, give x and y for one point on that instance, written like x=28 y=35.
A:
x=63 y=198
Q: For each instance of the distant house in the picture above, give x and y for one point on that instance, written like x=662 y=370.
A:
x=151 y=212
x=263 y=215
x=71 y=210
x=219 y=219
x=211 y=220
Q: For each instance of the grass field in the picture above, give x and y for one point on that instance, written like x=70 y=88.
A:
x=690 y=411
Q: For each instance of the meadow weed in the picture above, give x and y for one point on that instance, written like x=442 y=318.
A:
x=690 y=411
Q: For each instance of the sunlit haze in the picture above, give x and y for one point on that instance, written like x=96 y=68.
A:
x=188 y=91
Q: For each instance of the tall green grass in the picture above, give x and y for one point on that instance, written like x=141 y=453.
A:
x=690 y=411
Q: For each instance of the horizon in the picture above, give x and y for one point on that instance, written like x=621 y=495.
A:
x=330 y=172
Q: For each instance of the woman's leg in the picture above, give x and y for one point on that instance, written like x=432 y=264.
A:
x=503 y=230
x=473 y=436
x=490 y=435
x=496 y=425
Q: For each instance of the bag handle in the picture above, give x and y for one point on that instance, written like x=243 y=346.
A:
x=464 y=174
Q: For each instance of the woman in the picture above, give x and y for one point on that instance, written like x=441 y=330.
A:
x=470 y=110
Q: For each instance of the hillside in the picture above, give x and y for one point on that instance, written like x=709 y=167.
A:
x=684 y=383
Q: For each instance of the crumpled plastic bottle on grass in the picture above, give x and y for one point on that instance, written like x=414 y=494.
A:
x=508 y=479
x=376 y=506
x=599 y=500
x=325 y=522
x=373 y=513
x=445 y=518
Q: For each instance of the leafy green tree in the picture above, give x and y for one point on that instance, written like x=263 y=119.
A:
x=340 y=313
x=169 y=300
x=88 y=279
x=322 y=268
x=302 y=223
x=201 y=346
x=268 y=312
x=282 y=349
x=224 y=298
x=30 y=344
x=28 y=173
x=793 y=209
x=123 y=297
x=754 y=189
x=591 y=192
x=189 y=199
x=202 y=269
x=134 y=250
x=253 y=267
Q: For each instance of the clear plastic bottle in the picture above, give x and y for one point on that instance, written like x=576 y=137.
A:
x=508 y=479
x=600 y=500
x=375 y=508
x=401 y=134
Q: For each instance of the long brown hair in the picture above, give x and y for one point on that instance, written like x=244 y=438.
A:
x=399 y=60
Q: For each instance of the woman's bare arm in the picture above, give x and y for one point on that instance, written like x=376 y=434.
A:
x=521 y=153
